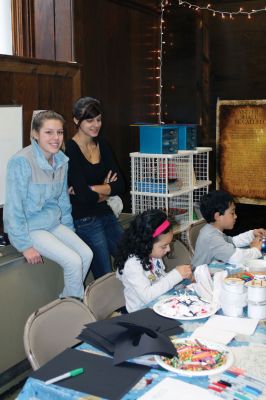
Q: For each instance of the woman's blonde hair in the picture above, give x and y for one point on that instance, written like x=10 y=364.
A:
x=39 y=116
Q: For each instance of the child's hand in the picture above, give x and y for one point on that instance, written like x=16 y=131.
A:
x=256 y=243
x=185 y=271
x=259 y=233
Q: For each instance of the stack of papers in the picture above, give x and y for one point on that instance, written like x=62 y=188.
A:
x=222 y=329
x=133 y=335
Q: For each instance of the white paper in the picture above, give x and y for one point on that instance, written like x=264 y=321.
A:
x=213 y=335
x=244 y=326
x=170 y=388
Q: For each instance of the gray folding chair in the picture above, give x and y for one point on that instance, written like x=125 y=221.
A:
x=53 y=328
x=192 y=233
x=178 y=255
x=104 y=296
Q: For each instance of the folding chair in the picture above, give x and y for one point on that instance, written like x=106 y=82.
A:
x=104 y=296
x=53 y=328
x=178 y=255
x=192 y=233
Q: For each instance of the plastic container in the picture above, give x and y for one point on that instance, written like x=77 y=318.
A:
x=256 y=291
x=233 y=298
x=233 y=302
x=257 y=310
x=231 y=310
x=234 y=285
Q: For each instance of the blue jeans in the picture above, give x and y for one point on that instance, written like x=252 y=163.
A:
x=64 y=247
x=102 y=234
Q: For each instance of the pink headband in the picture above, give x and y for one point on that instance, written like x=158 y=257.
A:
x=161 y=228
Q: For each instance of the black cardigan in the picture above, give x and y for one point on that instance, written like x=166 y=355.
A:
x=82 y=174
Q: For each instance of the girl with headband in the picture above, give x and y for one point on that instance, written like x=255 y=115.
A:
x=139 y=260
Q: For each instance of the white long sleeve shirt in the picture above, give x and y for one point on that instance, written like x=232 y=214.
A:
x=141 y=287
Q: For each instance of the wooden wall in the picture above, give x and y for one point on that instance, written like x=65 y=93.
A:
x=117 y=44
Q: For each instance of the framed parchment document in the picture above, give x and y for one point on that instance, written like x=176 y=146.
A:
x=241 y=149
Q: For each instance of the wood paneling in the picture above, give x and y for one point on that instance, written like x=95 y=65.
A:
x=43 y=29
x=63 y=30
x=117 y=45
x=179 y=69
x=39 y=84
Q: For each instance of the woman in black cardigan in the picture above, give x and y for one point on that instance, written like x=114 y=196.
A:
x=94 y=176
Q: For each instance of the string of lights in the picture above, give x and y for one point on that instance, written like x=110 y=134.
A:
x=222 y=13
x=160 y=59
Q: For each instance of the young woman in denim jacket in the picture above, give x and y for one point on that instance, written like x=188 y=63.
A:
x=37 y=211
x=94 y=176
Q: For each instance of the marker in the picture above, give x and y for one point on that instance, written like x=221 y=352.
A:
x=74 y=372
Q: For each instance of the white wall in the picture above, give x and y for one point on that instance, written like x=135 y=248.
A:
x=5 y=27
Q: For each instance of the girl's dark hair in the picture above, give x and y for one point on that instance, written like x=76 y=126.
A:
x=86 y=108
x=42 y=116
x=137 y=239
x=215 y=201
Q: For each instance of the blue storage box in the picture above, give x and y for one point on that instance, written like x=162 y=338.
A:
x=167 y=139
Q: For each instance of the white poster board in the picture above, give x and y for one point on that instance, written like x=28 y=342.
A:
x=11 y=137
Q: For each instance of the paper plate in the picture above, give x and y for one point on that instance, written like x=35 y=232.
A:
x=216 y=358
x=183 y=306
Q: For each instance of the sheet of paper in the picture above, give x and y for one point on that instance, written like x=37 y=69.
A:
x=213 y=335
x=170 y=388
x=244 y=326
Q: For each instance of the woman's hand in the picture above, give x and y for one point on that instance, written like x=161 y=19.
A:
x=71 y=190
x=102 y=197
x=185 y=271
x=111 y=177
x=32 y=256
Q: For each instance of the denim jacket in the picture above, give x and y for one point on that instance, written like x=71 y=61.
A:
x=36 y=195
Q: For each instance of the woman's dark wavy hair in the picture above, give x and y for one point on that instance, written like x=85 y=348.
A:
x=86 y=108
x=137 y=239
x=215 y=201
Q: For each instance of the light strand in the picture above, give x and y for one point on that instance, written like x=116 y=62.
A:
x=222 y=13
x=160 y=56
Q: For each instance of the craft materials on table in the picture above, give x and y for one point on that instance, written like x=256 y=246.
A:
x=197 y=358
x=233 y=296
x=69 y=374
x=185 y=305
x=235 y=384
x=256 y=298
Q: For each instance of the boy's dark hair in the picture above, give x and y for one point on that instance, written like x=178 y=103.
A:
x=215 y=201
x=137 y=239
x=86 y=108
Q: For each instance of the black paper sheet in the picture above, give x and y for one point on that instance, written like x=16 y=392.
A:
x=100 y=378
x=104 y=334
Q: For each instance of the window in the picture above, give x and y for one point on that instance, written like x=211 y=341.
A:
x=5 y=27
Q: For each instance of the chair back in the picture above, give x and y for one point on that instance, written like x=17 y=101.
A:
x=192 y=233
x=53 y=328
x=104 y=296
x=178 y=255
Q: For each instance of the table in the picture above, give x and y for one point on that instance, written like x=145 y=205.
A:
x=248 y=345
